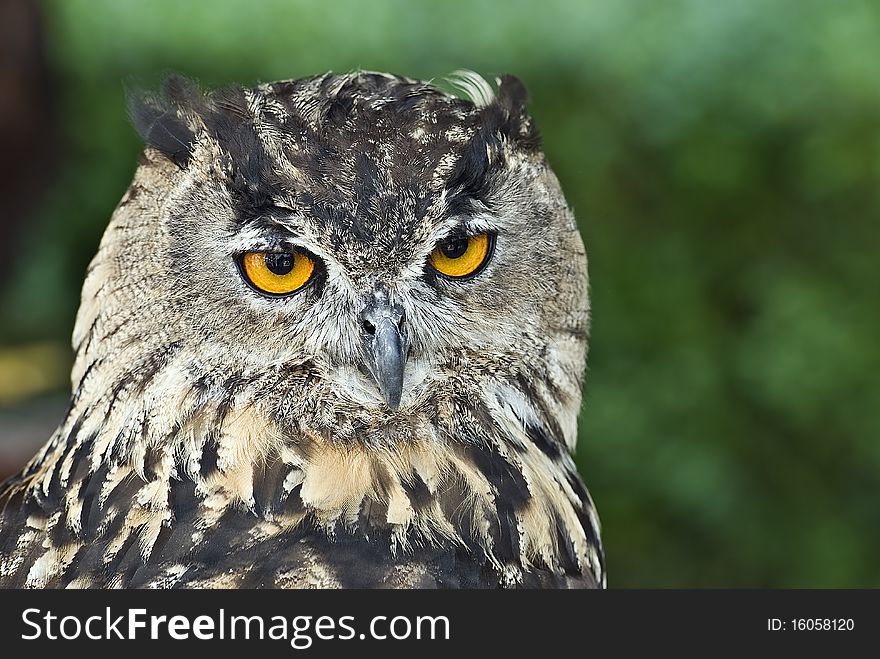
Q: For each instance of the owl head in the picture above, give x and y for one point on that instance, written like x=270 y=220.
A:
x=365 y=246
x=356 y=291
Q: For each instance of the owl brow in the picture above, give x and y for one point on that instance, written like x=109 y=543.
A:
x=467 y=226
x=267 y=232
x=481 y=223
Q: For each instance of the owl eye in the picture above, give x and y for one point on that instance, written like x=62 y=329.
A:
x=277 y=273
x=460 y=256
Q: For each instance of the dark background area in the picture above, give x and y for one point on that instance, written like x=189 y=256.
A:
x=723 y=159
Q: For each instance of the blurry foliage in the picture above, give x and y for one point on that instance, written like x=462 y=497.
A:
x=30 y=370
x=723 y=159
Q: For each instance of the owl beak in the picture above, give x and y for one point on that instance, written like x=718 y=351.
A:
x=385 y=345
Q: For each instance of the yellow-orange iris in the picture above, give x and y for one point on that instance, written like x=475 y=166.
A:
x=278 y=274
x=460 y=257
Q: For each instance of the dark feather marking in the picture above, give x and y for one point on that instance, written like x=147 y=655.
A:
x=50 y=500
x=480 y=412
x=567 y=557
x=90 y=494
x=109 y=334
x=507 y=549
x=86 y=342
x=145 y=571
x=460 y=518
x=355 y=563
x=512 y=494
x=268 y=483
x=577 y=485
x=287 y=373
x=120 y=448
x=548 y=445
x=208 y=464
x=69 y=573
x=592 y=537
x=60 y=532
x=417 y=491
x=175 y=541
x=182 y=499
x=120 y=386
x=506 y=479
x=128 y=559
x=221 y=537
x=458 y=569
x=339 y=109
x=553 y=433
x=229 y=387
x=154 y=363
x=200 y=384
x=91 y=558
x=153 y=457
x=134 y=191
x=85 y=375
x=382 y=480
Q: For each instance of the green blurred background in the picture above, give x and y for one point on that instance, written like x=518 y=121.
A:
x=723 y=159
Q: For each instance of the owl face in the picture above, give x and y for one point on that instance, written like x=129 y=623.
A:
x=395 y=248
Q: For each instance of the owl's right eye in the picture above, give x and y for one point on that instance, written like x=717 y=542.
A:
x=277 y=273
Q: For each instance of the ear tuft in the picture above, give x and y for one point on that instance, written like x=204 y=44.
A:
x=512 y=94
x=507 y=116
x=161 y=119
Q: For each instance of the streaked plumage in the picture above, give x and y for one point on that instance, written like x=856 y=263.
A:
x=220 y=437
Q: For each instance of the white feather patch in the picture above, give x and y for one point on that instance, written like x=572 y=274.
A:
x=474 y=86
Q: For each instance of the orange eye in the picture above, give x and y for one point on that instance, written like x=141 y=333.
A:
x=278 y=273
x=462 y=256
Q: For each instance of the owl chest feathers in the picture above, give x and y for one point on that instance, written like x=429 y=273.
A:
x=229 y=498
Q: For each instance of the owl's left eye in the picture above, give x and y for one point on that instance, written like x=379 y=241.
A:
x=460 y=256
x=277 y=273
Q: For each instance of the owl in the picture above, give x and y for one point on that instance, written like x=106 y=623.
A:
x=334 y=336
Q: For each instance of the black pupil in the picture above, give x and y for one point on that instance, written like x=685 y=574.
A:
x=454 y=248
x=280 y=264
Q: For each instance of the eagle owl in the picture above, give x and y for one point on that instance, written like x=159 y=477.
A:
x=334 y=336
